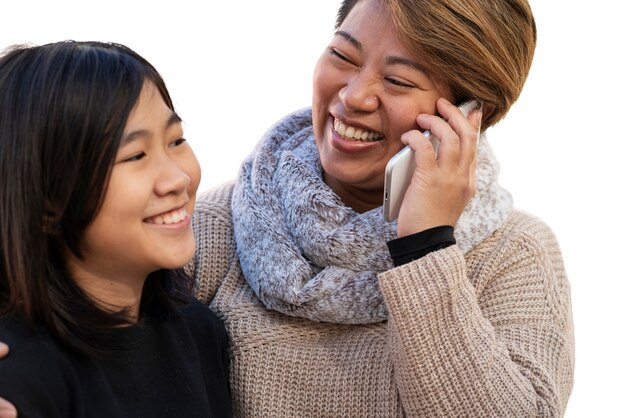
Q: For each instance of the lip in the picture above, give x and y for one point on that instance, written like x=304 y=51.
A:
x=180 y=224
x=346 y=146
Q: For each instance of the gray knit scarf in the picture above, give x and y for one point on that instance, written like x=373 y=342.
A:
x=305 y=253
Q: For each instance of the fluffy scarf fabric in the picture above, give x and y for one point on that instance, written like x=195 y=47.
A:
x=305 y=253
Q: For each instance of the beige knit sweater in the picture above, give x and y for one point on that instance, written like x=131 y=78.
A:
x=488 y=335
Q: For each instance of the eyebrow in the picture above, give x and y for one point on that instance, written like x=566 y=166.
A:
x=350 y=39
x=390 y=60
x=131 y=136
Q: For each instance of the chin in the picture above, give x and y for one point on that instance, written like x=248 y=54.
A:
x=180 y=259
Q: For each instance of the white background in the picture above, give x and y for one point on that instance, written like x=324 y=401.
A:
x=235 y=67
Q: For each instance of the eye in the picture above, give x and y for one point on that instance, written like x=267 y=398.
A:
x=178 y=142
x=339 y=55
x=399 y=83
x=135 y=157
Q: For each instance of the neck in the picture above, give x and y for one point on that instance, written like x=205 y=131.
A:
x=114 y=296
x=361 y=199
x=123 y=292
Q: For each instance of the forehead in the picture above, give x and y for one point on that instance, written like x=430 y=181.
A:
x=370 y=23
x=150 y=107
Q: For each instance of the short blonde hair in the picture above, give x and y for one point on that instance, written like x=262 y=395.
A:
x=482 y=49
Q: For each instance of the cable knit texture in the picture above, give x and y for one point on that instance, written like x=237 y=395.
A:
x=486 y=333
x=305 y=253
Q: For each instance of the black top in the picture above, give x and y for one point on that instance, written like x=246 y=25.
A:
x=175 y=367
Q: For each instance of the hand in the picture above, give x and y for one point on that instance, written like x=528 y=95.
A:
x=7 y=410
x=441 y=186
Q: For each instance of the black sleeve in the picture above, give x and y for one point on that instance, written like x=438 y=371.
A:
x=406 y=249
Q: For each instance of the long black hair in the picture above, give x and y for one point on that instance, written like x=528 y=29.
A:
x=63 y=108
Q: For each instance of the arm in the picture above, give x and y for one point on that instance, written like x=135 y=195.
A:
x=490 y=337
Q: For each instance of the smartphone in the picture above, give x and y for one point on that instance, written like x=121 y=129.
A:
x=400 y=169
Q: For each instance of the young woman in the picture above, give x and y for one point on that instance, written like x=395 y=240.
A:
x=95 y=221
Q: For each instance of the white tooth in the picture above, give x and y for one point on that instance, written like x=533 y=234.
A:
x=341 y=129
x=158 y=220
x=349 y=132
x=176 y=217
x=167 y=219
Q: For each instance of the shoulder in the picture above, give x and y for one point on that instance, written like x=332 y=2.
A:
x=29 y=346
x=196 y=312
x=215 y=243
x=522 y=261
x=37 y=374
x=212 y=212
x=214 y=204
x=205 y=328
x=524 y=230
x=523 y=240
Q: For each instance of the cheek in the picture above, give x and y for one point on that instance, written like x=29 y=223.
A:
x=403 y=113
x=403 y=119
x=128 y=193
x=327 y=81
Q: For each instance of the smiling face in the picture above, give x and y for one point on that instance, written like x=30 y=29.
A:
x=144 y=223
x=367 y=91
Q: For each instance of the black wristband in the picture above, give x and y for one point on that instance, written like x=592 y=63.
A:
x=406 y=249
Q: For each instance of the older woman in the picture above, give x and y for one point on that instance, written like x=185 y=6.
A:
x=475 y=317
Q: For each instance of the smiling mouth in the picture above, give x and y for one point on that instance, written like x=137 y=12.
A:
x=168 y=218
x=352 y=133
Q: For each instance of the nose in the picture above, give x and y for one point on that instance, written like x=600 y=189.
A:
x=360 y=93
x=172 y=177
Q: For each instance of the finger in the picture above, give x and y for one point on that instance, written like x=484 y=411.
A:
x=7 y=410
x=425 y=158
x=4 y=349
x=475 y=119
x=468 y=130
x=449 y=150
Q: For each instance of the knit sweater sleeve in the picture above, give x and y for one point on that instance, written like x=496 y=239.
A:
x=215 y=247
x=490 y=335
